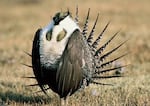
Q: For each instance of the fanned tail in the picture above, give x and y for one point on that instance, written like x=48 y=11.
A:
x=98 y=58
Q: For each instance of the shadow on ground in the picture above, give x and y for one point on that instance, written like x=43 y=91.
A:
x=10 y=96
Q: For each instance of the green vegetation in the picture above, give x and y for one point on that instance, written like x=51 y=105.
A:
x=19 y=19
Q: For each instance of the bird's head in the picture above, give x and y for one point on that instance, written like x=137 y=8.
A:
x=54 y=37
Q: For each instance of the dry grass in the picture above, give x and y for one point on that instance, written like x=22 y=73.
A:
x=19 y=19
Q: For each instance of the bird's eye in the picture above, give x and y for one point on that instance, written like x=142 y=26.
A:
x=49 y=35
x=61 y=35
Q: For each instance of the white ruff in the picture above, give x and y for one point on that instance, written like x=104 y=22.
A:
x=51 y=51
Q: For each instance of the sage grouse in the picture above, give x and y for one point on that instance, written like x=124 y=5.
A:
x=65 y=58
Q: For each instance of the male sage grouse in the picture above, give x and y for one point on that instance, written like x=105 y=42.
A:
x=65 y=58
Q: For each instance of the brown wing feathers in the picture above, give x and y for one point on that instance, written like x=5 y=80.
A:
x=69 y=74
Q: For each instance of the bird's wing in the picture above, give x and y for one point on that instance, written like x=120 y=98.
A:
x=69 y=74
x=36 y=60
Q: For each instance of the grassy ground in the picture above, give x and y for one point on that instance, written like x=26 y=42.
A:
x=19 y=19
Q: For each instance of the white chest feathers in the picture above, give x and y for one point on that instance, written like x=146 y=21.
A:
x=53 y=45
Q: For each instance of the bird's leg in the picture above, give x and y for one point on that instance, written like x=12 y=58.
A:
x=63 y=102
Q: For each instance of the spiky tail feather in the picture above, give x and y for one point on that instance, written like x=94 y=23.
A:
x=85 y=28
x=96 y=42
x=91 y=35
x=102 y=58
x=101 y=49
x=30 y=66
x=108 y=70
x=77 y=17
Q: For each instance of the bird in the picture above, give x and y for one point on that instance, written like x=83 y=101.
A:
x=65 y=58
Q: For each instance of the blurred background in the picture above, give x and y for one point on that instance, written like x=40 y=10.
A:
x=19 y=20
